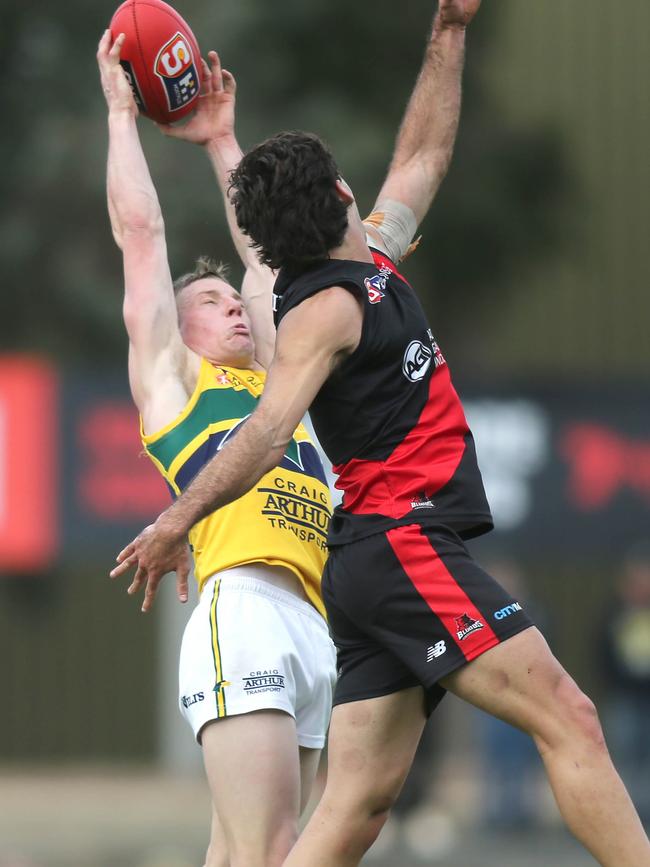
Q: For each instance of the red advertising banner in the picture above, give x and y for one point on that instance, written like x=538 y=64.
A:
x=115 y=481
x=29 y=460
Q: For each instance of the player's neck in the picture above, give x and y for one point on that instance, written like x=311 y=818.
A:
x=354 y=247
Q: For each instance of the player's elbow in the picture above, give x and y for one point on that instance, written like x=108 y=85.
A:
x=140 y=225
x=275 y=455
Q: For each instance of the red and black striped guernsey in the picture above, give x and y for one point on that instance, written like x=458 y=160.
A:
x=388 y=417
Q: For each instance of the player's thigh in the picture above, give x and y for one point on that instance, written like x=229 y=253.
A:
x=253 y=770
x=371 y=747
x=309 y=762
x=521 y=682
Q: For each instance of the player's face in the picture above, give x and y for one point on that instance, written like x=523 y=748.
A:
x=214 y=322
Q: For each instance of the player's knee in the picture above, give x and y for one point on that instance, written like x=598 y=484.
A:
x=373 y=809
x=373 y=825
x=575 y=717
x=582 y=714
x=267 y=850
x=217 y=856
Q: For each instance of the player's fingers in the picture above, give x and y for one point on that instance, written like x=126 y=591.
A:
x=206 y=78
x=215 y=63
x=229 y=83
x=182 y=574
x=138 y=580
x=150 y=592
x=104 y=43
x=116 y=47
x=124 y=566
x=169 y=130
x=126 y=552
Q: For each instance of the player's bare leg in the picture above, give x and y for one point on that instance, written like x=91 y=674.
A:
x=521 y=682
x=217 y=855
x=254 y=772
x=371 y=748
x=309 y=762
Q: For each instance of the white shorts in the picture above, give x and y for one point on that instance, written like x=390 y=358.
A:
x=251 y=646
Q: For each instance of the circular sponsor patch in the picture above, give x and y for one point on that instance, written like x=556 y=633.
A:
x=417 y=359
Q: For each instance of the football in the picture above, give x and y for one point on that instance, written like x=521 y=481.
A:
x=160 y=57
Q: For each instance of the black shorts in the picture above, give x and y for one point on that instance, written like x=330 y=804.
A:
x=409 y=606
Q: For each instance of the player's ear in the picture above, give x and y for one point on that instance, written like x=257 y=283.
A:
x=344 y=192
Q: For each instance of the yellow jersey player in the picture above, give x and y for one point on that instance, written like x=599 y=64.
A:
x=257 y=664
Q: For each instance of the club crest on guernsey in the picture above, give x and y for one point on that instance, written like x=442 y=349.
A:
x=374 y=287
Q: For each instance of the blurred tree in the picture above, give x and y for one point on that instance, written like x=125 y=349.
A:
x=342 y=70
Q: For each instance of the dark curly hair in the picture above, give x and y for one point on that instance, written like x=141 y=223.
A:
x=285 y=200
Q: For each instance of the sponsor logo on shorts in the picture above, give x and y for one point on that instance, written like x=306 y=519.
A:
x=268 y=680
x=436 y=650
x=421 y=501
x=502 y=613
x=189 y=700
x=465 y=625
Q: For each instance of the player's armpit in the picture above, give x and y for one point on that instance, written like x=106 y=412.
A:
x=157 y=354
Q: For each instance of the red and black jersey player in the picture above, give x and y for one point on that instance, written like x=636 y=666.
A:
x=411 y=612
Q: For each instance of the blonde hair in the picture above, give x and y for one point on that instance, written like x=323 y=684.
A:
x=204 y=267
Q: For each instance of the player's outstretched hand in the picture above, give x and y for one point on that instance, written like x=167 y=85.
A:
x=214 y=117
x=117 y=90
x=154 y=553
x=457 y=13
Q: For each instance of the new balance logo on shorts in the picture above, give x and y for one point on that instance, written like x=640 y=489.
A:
x=269 y=680
x=436 y=650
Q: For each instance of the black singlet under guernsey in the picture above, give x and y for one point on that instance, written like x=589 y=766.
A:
x=388 y=417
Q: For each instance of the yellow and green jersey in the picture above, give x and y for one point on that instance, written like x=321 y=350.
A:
x=282 y=521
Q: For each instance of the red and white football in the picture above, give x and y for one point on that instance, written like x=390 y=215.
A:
x=161 y=58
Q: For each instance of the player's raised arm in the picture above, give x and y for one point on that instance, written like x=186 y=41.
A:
x=425 y=141
x=213 y=127
x=149 y=310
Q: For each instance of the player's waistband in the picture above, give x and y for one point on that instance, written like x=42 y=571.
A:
x=251 y=578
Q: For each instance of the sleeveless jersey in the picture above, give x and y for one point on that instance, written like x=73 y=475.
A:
x=282 y=521
x=388 y=416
